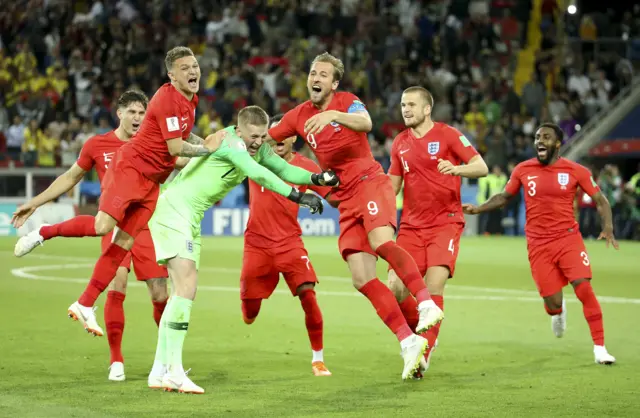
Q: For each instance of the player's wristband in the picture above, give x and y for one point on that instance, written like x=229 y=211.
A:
x=295 y=195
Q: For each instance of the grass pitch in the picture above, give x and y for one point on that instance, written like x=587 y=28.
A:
x=496 y=356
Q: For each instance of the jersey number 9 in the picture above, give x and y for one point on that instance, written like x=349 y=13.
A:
x=311 y=139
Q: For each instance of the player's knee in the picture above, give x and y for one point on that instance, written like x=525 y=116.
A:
x=123 y=240
x=104 y=224
x=158 y=289
x=304 y=287
x=436 y=279
x=553 y=303
x=379 y=236
x=119 y=282
x=396 y=286
x=576 y=283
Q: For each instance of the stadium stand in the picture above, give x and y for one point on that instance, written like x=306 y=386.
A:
x=496 y=69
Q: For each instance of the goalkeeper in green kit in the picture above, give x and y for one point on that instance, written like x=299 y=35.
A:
x=175 y=225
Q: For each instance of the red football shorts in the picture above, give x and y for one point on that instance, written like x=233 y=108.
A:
x=143 y=255
x=431 y=247
x=556 y=263
x=261 y=268
x=372 y=205
x=128 y=196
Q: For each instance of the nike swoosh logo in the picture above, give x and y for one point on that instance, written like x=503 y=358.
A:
x=531 y=177
x=185 y=118
x=403 y=151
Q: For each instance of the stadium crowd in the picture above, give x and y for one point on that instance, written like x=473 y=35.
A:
x=63 y=64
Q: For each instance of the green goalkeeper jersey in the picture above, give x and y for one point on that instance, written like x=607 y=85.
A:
x=206 y=180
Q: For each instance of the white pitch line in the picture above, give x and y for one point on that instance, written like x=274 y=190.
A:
x=27 y=273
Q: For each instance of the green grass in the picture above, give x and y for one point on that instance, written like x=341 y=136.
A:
x=496 y=355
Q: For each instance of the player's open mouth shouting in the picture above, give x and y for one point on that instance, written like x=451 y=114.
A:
x=542 y=151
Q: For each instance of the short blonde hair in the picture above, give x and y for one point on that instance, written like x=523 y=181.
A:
x=175 y=54
x=253 y=115
x=426 y=94
x=338 y=66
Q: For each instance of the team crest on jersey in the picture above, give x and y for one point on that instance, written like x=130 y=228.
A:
x=563 y=180
x=433 y=147
x=336 y=126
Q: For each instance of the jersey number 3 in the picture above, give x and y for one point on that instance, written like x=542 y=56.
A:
x=532 y=188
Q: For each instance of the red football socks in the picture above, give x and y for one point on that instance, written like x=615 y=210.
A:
x=158 y=309
x=103 y=274
x=432 y=334
x=406 y=268
x=387 y=308
x=250 y=309
x=114 y=322
x=552 y=312
x=409 y=308
x=592 y=311
x=80 y=226
x=312 y=317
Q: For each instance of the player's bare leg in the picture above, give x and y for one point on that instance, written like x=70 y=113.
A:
x=159 y=294
x=79 y=226
x=363 y=274
x=173 y=329
x=106 y=267
x=381 y=241
x=114 y=322
x=593 y=315
x=436 y=279
x=314 y=324
x=556 y=307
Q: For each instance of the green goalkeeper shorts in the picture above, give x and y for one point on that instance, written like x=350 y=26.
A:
x=173 y=236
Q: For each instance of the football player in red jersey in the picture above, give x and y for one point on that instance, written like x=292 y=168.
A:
x=273 y=245
x=557 y=254
x=132 y=182
x=335 y=126
x=98 y=152
x=428 y=158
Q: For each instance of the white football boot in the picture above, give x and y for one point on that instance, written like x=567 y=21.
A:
x=87 y=317
x=413 y=349
x=602 y=356
x=28 y=242
x=180 y=383
x=116 y=372
x=429 y=316
x=559 y=322
x=154 y=381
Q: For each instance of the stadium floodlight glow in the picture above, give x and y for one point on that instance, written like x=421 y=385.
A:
x=572 y=9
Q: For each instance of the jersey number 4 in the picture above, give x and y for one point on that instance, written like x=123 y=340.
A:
x=532 y=188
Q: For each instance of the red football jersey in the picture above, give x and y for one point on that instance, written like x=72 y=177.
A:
x=344 y=151
x=169 y=115
x=98 y=151
x=273 y=219
x=549 y=194
x=430 y=198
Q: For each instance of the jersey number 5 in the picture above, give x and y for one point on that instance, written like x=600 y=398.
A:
x=532 y=188
x=311 y=139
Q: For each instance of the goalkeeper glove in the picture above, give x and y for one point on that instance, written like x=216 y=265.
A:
x=307 y=200
x=326 y=178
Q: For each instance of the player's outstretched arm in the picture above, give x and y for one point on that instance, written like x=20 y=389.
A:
x=359 y=121
x=269 y=180
x=60 y=185
x=297 y=175
x=179 y=148
x=194 y=139
x=604 y=209
x=496 y=201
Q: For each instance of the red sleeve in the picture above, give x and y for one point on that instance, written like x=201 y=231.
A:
x=460 y=145
x=514 y=183
x=85 y=159
x=286 y=128
x=168 y=116
x=396 y=168
x=586 y=181
x=314 y=168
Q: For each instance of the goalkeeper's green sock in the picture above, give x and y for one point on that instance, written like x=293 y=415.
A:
x=177 y=315
x=160 y=362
